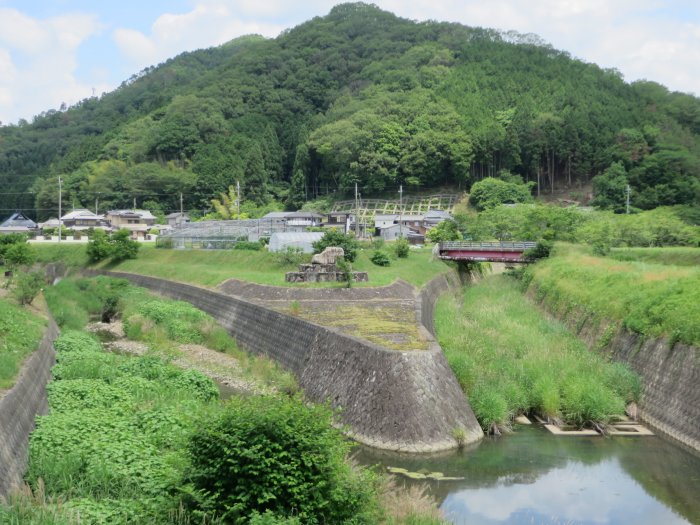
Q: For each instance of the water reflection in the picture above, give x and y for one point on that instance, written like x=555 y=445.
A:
x=533 y=477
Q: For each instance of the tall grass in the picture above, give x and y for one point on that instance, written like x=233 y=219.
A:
x=676 y=256
x=20 y=333
x=510 y=359
x=650 y=299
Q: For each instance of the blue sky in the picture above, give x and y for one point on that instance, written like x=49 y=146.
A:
x=55 y=51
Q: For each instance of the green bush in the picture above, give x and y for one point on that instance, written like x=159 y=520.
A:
x=336 y=238
x=291 y=256
x=401 y=247
x=444 y=231
x=19 y=254
x=248 y=245
x=280 y=455
x=380 y=258
x=123 y=246
x=26 y=286
x=98 y=247
x=490 y=192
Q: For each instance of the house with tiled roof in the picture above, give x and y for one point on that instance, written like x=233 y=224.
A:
x=18 y=222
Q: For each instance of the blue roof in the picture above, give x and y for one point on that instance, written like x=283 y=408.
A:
x=18 y=219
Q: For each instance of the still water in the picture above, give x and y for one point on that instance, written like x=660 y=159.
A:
x=532 y=477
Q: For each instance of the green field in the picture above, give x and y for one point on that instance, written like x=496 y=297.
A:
x=211 y=267
x=678 y=256
x=510 y=359
x=648 y=298
x=20 y=333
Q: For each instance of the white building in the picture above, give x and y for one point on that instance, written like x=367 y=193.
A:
x=280 y=241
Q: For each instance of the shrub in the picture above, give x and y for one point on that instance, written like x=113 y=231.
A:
x=541 y=250
x=279 y=455
x=19 y=254
x=291 y=256
x=380 y=258
x=401 y=247
x=98 y=247
x=26 y=286
x=444 y=231
x=123 y=247
x=335 y=238
x=248 y=245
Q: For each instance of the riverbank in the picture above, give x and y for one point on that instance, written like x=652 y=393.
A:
x=510 y=360
x=644 y=315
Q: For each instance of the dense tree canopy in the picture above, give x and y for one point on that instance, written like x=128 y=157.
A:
x=358 y=96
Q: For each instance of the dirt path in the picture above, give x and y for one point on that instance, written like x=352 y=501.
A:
x=222 y=368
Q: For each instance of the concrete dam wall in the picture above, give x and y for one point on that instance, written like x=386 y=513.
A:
x=396 y=400
x=18 y=408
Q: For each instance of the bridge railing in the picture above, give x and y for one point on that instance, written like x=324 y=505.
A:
x=487 y=246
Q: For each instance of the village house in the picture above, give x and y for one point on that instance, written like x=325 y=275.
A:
x=177 y=219
x=138 y=222
x=18 y=223
x=83 y=219
x=396 y=231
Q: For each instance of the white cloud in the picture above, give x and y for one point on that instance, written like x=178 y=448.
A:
x=638 y=37
x=208 y=24
x=38 y=59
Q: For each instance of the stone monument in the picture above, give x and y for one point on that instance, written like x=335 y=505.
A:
x=323 y=269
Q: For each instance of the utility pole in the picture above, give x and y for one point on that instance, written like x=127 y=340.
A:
x=60 y=197
x=401 y=210
x=238 y=200
x=134 y=203
x=97 y=200
x=357 y=215
x=181 y=212
x=627 y=191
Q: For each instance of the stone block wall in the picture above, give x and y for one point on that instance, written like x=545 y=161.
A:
x=430 y=293
x=18 y=408
x=670 y=383
x=407 y=401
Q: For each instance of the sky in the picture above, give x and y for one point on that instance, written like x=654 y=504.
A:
x=55 y=52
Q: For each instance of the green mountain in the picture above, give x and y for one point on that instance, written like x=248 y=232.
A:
x=358 y=96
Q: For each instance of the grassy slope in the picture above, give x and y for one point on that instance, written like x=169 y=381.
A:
x=20 y=333
x=677 y=256
x=211 y=267
x=510 y=359
x=651 y=299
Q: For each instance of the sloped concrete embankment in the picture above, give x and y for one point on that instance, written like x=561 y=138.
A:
x=407 y=401
x=670 y=373
x=18 y=408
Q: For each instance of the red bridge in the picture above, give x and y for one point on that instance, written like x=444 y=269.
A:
x=507 y=252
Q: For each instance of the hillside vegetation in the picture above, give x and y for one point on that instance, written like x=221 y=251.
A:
x=648 y=298
x=358 y=96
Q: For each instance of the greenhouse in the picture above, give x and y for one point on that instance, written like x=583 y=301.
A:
x=280 y=241
x=220 y=235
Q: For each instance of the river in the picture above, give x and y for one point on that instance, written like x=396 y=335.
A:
x=532 y=477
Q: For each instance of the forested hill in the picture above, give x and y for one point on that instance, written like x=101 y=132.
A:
x=363 y=96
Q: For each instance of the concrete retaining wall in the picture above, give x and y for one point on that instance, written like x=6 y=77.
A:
x=407 y=401
x=429 y=294
x=670 y=374
x=671 y=383
x=18 y=408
